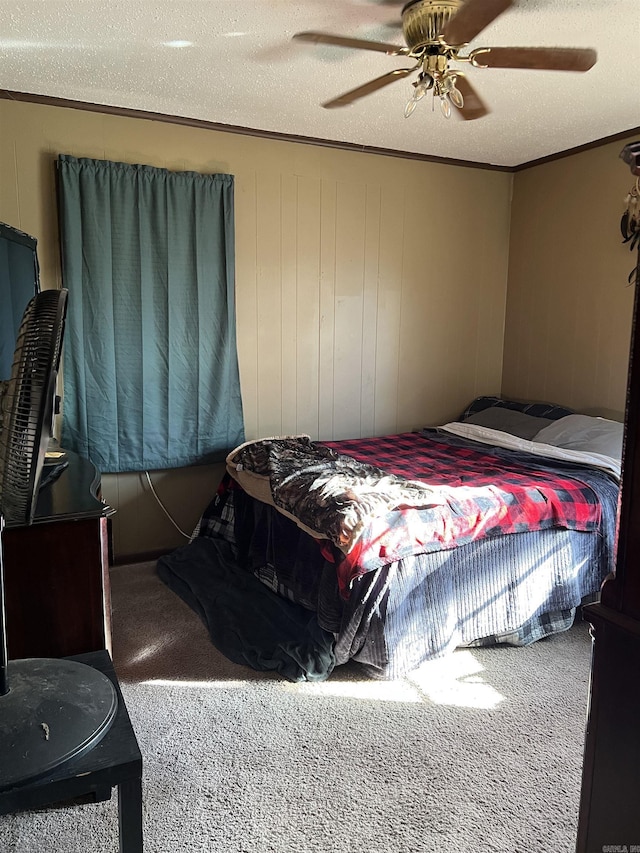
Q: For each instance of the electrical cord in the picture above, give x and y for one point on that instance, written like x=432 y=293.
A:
x=164 y=509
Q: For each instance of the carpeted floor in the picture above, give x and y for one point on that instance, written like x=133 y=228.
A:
x=480 y=752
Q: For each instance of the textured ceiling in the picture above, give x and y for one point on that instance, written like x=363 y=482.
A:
x=234 y=63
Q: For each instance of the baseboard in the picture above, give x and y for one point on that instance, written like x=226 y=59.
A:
x=144 y=557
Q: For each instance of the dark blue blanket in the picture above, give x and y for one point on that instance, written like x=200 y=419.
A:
x=247 y=622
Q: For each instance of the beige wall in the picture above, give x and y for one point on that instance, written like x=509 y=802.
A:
x=370 y=290
x=569 y=305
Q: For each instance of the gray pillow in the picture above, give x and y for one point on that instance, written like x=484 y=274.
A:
x=509 y=420
x=585 y=433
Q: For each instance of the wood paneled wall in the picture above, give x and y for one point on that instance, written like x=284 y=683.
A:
x=569 y=305
x=360 y=309
x=370 y=290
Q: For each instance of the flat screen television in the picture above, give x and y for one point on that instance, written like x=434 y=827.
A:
x=19 y=282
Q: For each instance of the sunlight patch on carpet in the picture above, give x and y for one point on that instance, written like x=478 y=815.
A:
x=454 y=680
x=380 y=691
x=200 y=685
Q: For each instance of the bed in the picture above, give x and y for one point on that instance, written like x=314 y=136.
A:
x=391 y=551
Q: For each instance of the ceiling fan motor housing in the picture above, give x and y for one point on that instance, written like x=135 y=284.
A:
x=435 y=32
x=424 y=20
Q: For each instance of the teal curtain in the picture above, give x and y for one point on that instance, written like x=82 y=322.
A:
x=150 y=363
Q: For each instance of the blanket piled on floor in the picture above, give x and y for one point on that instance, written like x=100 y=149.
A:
x=246 y=621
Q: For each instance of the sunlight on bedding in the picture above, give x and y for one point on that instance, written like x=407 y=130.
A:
x=578 y=568
x=534 y=584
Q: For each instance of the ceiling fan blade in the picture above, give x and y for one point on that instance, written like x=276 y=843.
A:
x=368 y=88
x=360 y=44
x=473 y=107
x=471 y=19
x=542 y=58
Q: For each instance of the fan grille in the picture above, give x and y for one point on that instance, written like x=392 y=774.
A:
x=28 y=404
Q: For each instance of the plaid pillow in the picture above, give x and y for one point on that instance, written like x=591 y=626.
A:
x=536 y=410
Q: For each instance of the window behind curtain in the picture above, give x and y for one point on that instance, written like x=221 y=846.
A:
x=150 y=364
x=19 y=282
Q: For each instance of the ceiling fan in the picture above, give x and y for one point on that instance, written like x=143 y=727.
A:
x=435 y=32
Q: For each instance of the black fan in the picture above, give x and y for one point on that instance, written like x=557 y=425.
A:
x=50 y=709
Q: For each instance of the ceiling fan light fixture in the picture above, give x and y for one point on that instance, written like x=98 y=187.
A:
x=435 y=33
x=445 y=105
x=412 y=103
x=420 y=88
x=457 y=98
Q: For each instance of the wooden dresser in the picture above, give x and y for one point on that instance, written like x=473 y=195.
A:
x=58 y=599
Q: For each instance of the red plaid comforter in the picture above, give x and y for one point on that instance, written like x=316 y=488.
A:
x=476 y=493
x=492 y=495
